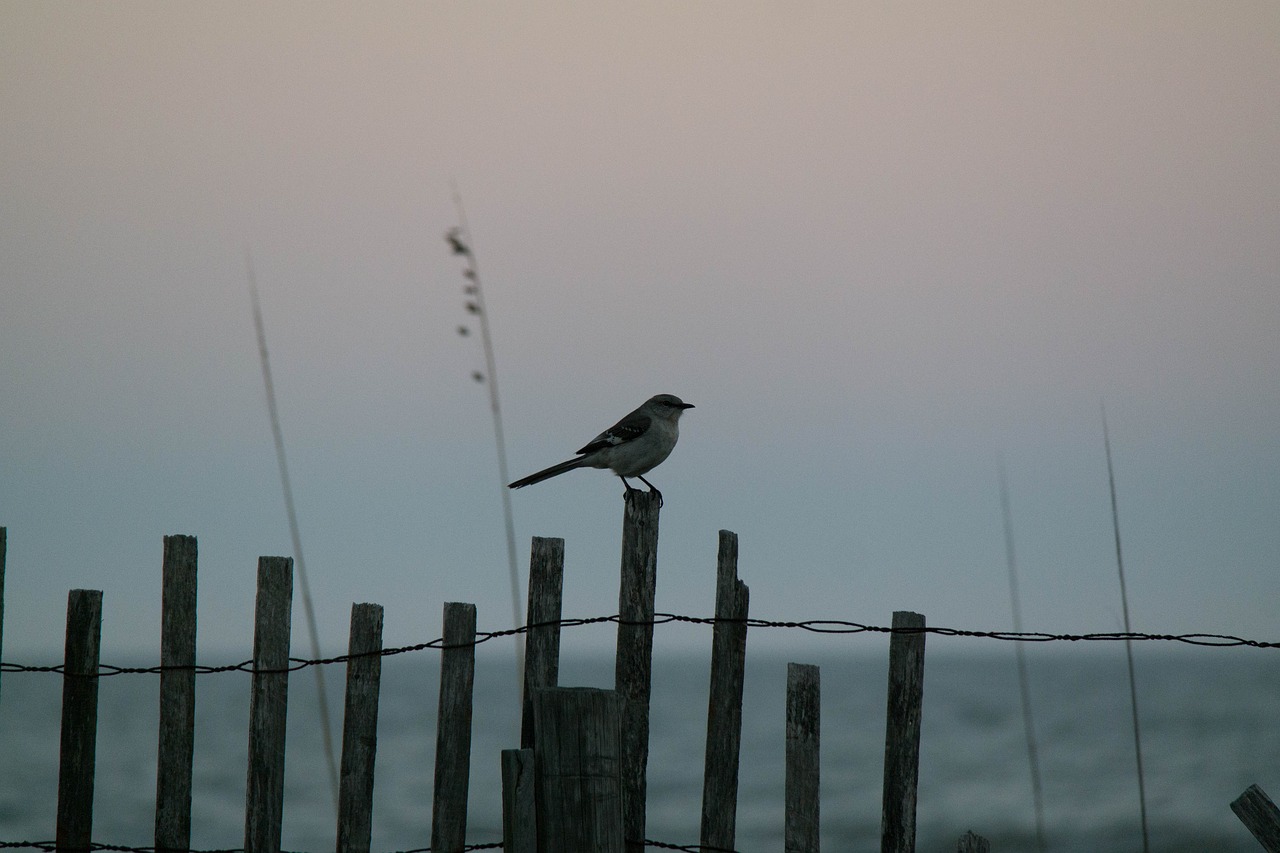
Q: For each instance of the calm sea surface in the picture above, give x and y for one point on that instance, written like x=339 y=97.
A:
x=1210 y=721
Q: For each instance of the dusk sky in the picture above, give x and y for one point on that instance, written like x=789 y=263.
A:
x=881 y=246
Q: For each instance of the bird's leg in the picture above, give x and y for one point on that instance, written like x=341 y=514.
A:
x=652 y=489
x=629 y=488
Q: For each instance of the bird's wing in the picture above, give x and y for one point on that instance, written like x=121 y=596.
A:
x=629 y=428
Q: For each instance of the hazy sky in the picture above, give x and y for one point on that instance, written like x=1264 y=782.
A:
x=881 y=246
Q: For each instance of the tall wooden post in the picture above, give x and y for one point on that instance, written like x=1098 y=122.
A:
x=360 y=729
x=724 y=708
x=453 y=729
x=1257 y=812
x=635 y=653
x=177 y=694
x=3 y=547
x=79 y=720
x=268 y=705
x=902 y=733
x=542 y=641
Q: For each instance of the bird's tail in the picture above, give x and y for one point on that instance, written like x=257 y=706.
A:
x=547 y=473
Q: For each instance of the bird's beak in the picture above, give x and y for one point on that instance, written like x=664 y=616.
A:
x=687 y=405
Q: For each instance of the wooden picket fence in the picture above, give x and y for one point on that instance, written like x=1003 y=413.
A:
x=576 y=784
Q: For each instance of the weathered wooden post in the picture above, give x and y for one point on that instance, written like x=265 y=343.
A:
x=360 y=729
x=453 y=729
x=542 y=669
x=578 y=759
x=634 y=667
x=3 y=546
x=1257 y=812
x=519 y=802
x=268 y=706
x=542 y=640
x=724 y=707
x=79 y=720
x=902 y=733
x=800 y=829
x=177 y=694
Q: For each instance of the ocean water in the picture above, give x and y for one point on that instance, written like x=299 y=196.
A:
x=1210 y=720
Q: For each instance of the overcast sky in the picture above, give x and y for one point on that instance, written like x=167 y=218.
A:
x=881 y=246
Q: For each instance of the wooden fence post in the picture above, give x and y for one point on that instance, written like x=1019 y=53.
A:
x=4 y=534
x=177 y=694
x=453 y=729
x=634 y=666
x=724 y=707
x=902 y=733
x=79 y=720
x=360 y=729
x=577 y=758
x=268 y=705
x=1260 y=815
x=542 y=644
x=800 y=831
x=519 y=805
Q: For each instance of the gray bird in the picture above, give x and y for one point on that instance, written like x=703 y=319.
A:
x=632 y=447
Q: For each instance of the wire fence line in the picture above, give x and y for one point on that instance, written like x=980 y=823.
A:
x=52 y=846
x=122 y=848
x=816 y=626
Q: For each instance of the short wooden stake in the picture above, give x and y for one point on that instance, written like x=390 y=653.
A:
x=634 y=667
x=79 y=720
x=724 y=707
x=177 y=694
x=268 y=706
x=542 y=641
x=970 y=842
x=519 y=826
x=800 y=831
x=577 y=757
x=902 y=733
x=453 y=729
x=360 y=730
x=1257 y=812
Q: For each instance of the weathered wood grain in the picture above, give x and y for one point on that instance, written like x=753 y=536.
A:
x=268 y=706
x=902 y=733
x=724 y=704
x=542 y=641
x=578 y=761
x=79 y=720
x=634 y=667
x=800 y=826
x=453 y=729
x=177 y=694
x=360 y=730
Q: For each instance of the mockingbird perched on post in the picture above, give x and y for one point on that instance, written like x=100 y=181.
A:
x=632 y=447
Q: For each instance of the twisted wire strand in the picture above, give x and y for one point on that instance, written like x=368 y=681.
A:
x=815 y=626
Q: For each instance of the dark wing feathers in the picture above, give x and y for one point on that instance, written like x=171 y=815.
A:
x=623 y=431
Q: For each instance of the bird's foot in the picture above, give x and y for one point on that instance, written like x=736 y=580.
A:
x=632 y=491
x=653 y=490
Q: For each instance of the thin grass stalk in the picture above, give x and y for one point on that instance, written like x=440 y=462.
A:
x=1024 y=689
x=1128 y=643
x=460 y=241
x=278 y=436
